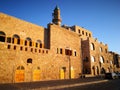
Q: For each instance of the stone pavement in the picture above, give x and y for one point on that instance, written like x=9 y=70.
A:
x=51 y=85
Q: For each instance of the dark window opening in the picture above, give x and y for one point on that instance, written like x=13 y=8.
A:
x=61 y=51
x=78 y=31
x=30 y=44
x=35 y=50
x=2 y=36
x=83 y=32
x=14 y=47
x=8 y=39
x=43 y=51
x=86 y=34
x=40 y=45
x=31 y=49
x=29 y=60
x=75 y=54
x=28 y=41
x=2 y=39
x=9 y=47
x=39 y=51
x=89 y=35
x=26 y=49
x=68 y=52
x=36 y=45
x=21 y=48
x=16 y=39
x=25 y=42
x=47 y=51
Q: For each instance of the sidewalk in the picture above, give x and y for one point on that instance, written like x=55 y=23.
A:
x=51 y=85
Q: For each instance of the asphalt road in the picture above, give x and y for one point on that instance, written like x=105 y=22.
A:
x=109 y=85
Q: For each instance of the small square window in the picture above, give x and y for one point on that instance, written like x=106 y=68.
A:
x=47 y=51
x=9 y=47
x=61 y=51
x=35 y=50
x=26 y=49
x=39 y=51
x=21 y=48
x=14 y=47
x=43 y=51
x=31 y=49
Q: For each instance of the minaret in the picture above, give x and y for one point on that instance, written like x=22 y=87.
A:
x=56 y=16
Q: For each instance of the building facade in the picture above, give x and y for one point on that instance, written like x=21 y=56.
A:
x=29 y=52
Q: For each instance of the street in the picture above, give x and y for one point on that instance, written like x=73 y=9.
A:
x=73 y=84
x=109 y=85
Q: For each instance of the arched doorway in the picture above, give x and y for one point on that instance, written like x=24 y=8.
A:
x=97 y=70
x=20 y=74
x=93 y=70
x=62 y=72
x=103 y=71
x=36 y=74
x=72 y=73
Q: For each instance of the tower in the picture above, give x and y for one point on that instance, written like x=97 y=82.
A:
x=56 y=16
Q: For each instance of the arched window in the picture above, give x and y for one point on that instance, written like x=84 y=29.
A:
x=20 y=68
x=16 y=39
x=20 y=74
x=28 y=41
x=106 y=50
x=29 y=60
x=83 y=32
x=101 y=59
x=92 y=59
x=101 y=49
x=89 y=35
x=38 y=44
x=2 y=36
x=86 y=34
x=92 y=46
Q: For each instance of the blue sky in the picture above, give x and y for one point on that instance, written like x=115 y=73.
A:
x=101 y=17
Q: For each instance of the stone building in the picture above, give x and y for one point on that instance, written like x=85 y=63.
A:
x=29 y=52
x=115 y=60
